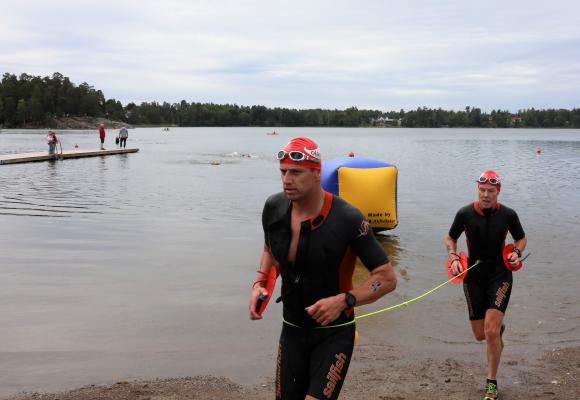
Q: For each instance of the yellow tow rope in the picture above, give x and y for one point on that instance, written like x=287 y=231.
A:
x=402 y=304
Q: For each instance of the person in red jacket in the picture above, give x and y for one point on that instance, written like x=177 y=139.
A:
x=102 y=135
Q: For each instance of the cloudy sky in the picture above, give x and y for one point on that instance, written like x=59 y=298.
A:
x=383 y=55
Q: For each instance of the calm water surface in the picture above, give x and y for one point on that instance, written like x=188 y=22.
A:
x=139 y=265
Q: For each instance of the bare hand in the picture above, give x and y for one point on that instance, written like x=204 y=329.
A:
x=326 y=310
x=513 y=258
x=456 y=267
x=256 y=292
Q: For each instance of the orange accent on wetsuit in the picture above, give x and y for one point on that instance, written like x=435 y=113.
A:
x=325 y=255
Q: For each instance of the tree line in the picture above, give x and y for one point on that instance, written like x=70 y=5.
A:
x=27 y=100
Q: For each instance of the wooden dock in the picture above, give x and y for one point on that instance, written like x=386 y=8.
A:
x=44 y=156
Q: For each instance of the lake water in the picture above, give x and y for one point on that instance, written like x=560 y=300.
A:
x=139 y=265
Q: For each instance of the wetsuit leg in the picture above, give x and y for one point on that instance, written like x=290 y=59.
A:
x=292 y=364
x=488 y=291
x=499 y=290
x=329 y=361
x=477 y=303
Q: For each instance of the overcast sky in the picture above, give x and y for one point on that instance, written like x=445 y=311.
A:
x=383 y=55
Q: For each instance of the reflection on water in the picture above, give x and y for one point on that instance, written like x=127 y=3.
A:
x=390 y=243
x=153 y=253
x=47 y=191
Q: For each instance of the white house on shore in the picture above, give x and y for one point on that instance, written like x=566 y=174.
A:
x=386 y=121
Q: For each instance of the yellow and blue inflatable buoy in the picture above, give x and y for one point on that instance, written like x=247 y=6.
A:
x=369 y=185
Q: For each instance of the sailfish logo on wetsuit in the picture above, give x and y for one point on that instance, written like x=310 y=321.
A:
x=501 y=294
x=334 y=374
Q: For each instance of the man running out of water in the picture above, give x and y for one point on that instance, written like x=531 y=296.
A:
x=313 y=238
x=487 y=286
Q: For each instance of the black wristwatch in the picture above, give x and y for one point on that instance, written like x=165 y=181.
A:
x=349 y=299
x=518 y=252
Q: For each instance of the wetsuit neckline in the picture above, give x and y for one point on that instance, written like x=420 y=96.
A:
x=480 y=211
x=317 y=221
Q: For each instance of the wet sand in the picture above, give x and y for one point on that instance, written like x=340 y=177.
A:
x=378 y=372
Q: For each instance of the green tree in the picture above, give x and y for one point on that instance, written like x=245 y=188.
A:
x=21 y=111
x=35 y=107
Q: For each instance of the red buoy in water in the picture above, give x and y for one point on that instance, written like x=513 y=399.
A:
x=76 y=146
x=538 y=151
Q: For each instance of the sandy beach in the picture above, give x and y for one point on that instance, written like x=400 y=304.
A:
x=378 y=372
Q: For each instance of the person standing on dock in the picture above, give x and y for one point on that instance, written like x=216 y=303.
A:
x=102 y=135
x=52 y=141
x=487 y=288
x=123 y=135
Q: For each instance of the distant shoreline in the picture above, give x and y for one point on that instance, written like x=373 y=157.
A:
x=90 y=123
x=29 y=101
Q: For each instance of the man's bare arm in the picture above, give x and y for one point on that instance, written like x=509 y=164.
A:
x=382 y=281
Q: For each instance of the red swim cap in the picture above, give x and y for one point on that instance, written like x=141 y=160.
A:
x=301 y=151
x=490 y=177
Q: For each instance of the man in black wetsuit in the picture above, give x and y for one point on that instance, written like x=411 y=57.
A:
x=487 y=286
x=313 y=238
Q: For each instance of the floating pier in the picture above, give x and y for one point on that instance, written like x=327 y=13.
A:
x=44 y=156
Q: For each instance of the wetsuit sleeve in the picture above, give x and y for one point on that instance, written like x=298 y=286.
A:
x=458 y=226
x=366 y=246
x=515 y=227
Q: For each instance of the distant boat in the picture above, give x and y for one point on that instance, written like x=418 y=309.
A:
x=165 y=129
x=272 y=133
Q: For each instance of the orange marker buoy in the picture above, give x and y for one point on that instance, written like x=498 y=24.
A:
x=350 y=154
x=270 y=280
x=506 y=252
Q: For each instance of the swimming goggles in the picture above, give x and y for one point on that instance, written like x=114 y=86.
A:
x=494 y=180
x=296 y=155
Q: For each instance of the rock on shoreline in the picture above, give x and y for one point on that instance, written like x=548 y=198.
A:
x=80 y=123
